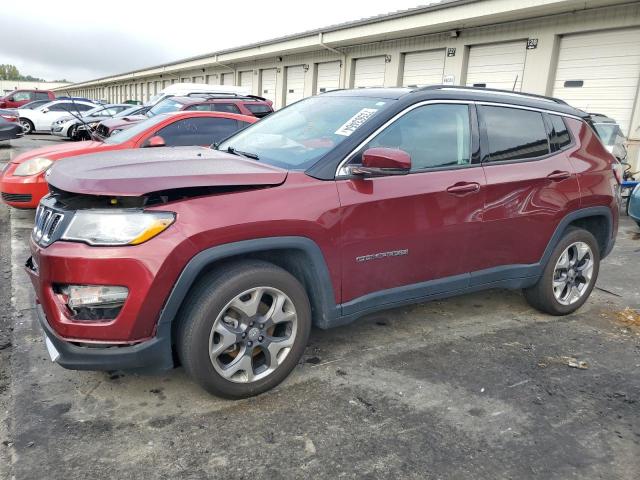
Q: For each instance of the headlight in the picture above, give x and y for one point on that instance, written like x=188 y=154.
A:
x=116 y=227
x=33 y=166
x=116 y=131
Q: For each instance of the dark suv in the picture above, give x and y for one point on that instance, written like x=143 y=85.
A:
x=250 y=105
x=334 y=207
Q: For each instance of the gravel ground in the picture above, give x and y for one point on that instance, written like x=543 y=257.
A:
x=477 y=386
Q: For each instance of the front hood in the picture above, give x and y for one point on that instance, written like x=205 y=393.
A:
x=133 y=173
x=117 y=122
x=55 y=152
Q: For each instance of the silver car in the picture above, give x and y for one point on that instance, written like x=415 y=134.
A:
x=67 y=125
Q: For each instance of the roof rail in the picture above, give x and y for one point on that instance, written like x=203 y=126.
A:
x=492 y=90
x=213 y=95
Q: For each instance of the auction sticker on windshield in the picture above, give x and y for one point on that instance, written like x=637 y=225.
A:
x=356 y=121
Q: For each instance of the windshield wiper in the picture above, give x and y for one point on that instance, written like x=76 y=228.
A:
x=233 y=151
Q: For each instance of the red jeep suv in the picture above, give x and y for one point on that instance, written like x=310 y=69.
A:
x=334 y=207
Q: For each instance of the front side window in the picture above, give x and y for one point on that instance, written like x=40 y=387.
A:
x=22 y=96
x=514 y=134
x=203 y=107
x=434 y=136
x=296 y=137
x=198 y=131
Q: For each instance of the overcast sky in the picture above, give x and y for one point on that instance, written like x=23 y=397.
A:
x=84 y=40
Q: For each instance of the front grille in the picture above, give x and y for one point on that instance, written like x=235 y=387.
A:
x=16 y=197
x=47 y=225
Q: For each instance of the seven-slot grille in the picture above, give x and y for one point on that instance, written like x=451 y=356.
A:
x=47 y=223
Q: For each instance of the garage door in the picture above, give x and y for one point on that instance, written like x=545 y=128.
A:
x=268 y=89
x=295 y=84
x=369 y=72
x=497 y=66
x=423 y=68
x=226 y=79
x=199 y=79
x=328 y=77
x=599 y=73
x=246 y=80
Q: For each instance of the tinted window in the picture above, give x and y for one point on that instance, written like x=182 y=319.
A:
x=434 y=136
x=259 y=110
x=42 y=96
x=559 y=133
x=514 y=134
x=200 y=108
x=198 y=131
x=226 y=107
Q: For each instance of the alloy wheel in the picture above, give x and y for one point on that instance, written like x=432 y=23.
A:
x=573 y=273
x=253 y=335
x=26 y=126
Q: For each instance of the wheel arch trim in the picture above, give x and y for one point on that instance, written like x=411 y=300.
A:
x=326 y=311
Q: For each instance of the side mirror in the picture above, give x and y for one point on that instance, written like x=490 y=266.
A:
x=155 y=141
x=44 y=110
x=380 y=162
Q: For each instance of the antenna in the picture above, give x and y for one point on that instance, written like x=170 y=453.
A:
x=515 y=83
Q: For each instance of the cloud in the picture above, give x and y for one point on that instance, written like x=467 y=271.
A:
x=55 y=50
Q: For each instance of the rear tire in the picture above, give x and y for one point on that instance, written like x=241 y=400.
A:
x=27 y=126
x=569 y=275
x=243 y=328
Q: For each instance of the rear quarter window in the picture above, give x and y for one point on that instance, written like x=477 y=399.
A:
x=259 y=110
x=560 y=137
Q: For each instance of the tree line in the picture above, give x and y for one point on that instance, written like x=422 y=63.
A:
x=11 y=72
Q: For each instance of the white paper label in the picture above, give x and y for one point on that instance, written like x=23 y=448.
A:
x=356 y=121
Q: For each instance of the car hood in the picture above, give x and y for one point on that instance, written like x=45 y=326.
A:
x=129 y=173
x=120 y=121
x=55 y=152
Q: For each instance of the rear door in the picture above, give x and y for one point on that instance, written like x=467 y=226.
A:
x=530 y=188
x=403 y=230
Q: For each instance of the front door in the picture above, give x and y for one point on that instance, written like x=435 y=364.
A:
x=400 y=231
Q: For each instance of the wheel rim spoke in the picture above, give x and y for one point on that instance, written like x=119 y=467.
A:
x=228 y=338
x=242 y=363
x=248 y=307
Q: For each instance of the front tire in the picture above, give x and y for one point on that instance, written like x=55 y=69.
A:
x=71 y=132
x=569 y=276
x=243 y=329
x=27 y=126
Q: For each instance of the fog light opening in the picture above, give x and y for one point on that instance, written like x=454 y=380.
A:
x=93 y=302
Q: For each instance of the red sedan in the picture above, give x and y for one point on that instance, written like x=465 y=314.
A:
x=22 y=183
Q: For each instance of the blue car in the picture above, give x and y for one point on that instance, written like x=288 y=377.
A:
x=634 y=204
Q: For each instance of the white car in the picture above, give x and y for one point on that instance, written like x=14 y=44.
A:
x=66 y=126
x=41 y=118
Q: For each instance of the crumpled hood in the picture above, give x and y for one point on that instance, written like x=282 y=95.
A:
x=129 y=173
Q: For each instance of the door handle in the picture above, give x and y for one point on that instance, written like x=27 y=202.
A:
x=463 y=187
x=558 y=175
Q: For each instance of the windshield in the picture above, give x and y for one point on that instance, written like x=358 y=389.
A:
x=133 y=131
x=609 y=133
x=166 y=106
x=92 y=111
x=297 y=136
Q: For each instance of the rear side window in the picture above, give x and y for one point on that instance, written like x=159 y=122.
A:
x=203 y=107
x=226 y=107
x=514 y=134
x=560 y=137
x=198 y=131
x=42 y=96
x=259 y=110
